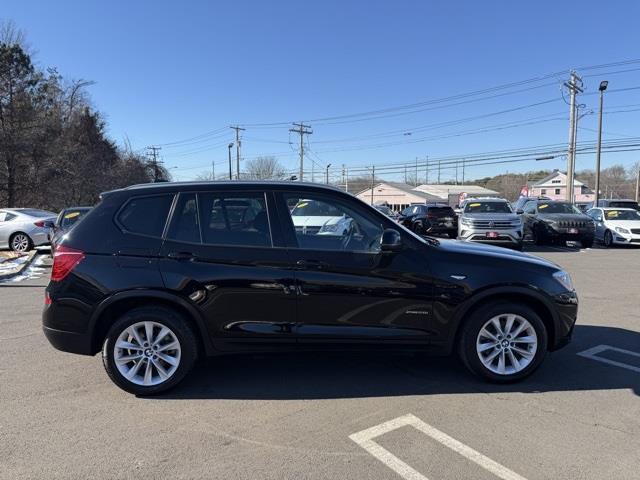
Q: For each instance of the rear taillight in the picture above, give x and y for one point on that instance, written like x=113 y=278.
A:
x=39 y=223
x=64 y=260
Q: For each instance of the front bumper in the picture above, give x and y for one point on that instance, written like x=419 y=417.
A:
x=510 y=237
x=626 y=238
x=566 y=306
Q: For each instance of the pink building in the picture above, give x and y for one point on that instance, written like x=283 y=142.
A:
x=554 y=186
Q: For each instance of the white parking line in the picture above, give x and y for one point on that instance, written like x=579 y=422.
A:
x=592 y=353
x=365 y=438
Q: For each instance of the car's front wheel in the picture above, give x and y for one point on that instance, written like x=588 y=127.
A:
x=608 y=239
x=149 y=350
x=503 y=342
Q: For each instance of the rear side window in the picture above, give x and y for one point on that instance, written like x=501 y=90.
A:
x=146 y=215
x=213 y=218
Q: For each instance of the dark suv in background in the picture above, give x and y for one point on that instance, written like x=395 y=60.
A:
x=430 y=218
x=550 y=221
x=157 y=275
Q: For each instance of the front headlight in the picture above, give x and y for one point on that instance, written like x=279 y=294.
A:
x=564 y=279
x=466 y=221
x=330 y=227
x=622 y=230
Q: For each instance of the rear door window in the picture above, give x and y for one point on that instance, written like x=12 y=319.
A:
x=145 y=215
x=441 y=211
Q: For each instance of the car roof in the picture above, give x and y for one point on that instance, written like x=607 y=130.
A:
x=486 y=199
x=616 y=208
x=159 y=187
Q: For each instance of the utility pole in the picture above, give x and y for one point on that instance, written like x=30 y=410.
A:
x=426 y=170
x=463 y=163
x=154 y=162
x=638 y=185
x=417 y=172
x=213 y=170
x=302 y=130
x=602 y=88
x=238 y=130
x=230 y=170
x=326 y=178
x=456 y=172
x=405 y=174
x=373 y=180
x=346 y=180
x=438 y=172
x=573 y=87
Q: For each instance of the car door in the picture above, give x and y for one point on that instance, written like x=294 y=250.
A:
x=348 y=291
x=221 y=253
x=597 y=215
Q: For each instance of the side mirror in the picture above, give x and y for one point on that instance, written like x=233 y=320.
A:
x=519 y=211
x=391 y=240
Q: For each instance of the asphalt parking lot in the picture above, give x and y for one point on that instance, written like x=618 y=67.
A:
x=336 y=416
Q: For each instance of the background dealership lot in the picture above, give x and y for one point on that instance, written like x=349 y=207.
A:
x=291 y=416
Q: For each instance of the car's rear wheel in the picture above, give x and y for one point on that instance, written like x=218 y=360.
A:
x=149 y=350
x=503 y=342
x=608 y=239
x=20 y=242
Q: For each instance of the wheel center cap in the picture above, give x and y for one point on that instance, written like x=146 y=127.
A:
x=148 y=352
x=505 y=343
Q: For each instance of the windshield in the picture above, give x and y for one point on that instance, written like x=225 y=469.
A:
x=487 y=207
x=622 y=204
x=557 y=207
x=622 y=215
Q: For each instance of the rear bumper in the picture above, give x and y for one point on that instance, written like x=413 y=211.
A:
x=68 y=341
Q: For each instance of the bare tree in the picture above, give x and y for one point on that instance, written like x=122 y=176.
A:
x=265 y=168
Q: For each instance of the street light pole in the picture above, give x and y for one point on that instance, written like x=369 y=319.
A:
x=326 y=178
x=602 y=88
x=230 y=168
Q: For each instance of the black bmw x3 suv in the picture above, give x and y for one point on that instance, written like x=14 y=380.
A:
x=157 y=275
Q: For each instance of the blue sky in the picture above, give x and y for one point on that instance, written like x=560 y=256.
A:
x=170 y=71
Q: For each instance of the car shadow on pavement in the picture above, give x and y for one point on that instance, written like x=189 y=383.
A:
x=355 y=375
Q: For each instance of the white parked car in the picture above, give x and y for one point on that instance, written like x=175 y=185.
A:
x=616 y=225
x=312 y=217
x=21 y=229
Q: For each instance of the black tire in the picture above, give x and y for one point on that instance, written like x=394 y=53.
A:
x=538 y=238
x=608 y=239
x=166 y=317
x=471 y=330
x=587 y=243
x=29 y=244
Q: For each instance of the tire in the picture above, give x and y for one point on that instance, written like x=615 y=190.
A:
x=20 y=242
x=155 y=360
x=587 y=243
x=538 y=238
x=608 y=239
x=453 y=235
x=471 y=341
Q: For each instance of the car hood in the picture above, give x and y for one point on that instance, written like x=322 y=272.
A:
x=491 y=216
x=628 y=224
x=313 y=220
x=490 y=251
x=564 y=217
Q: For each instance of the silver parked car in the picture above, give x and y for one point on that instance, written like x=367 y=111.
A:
x=21 y=229
x=619 y=226
x=490 y=220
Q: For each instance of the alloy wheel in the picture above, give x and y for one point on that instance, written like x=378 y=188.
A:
x=506 y=344
x=147 y=353
x=608 y=239
x=20 y=243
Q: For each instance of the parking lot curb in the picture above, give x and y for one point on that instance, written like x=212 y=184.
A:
x=20 y=268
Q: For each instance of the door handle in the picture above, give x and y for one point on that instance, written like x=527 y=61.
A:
x=311 y=264
x=181 y=255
